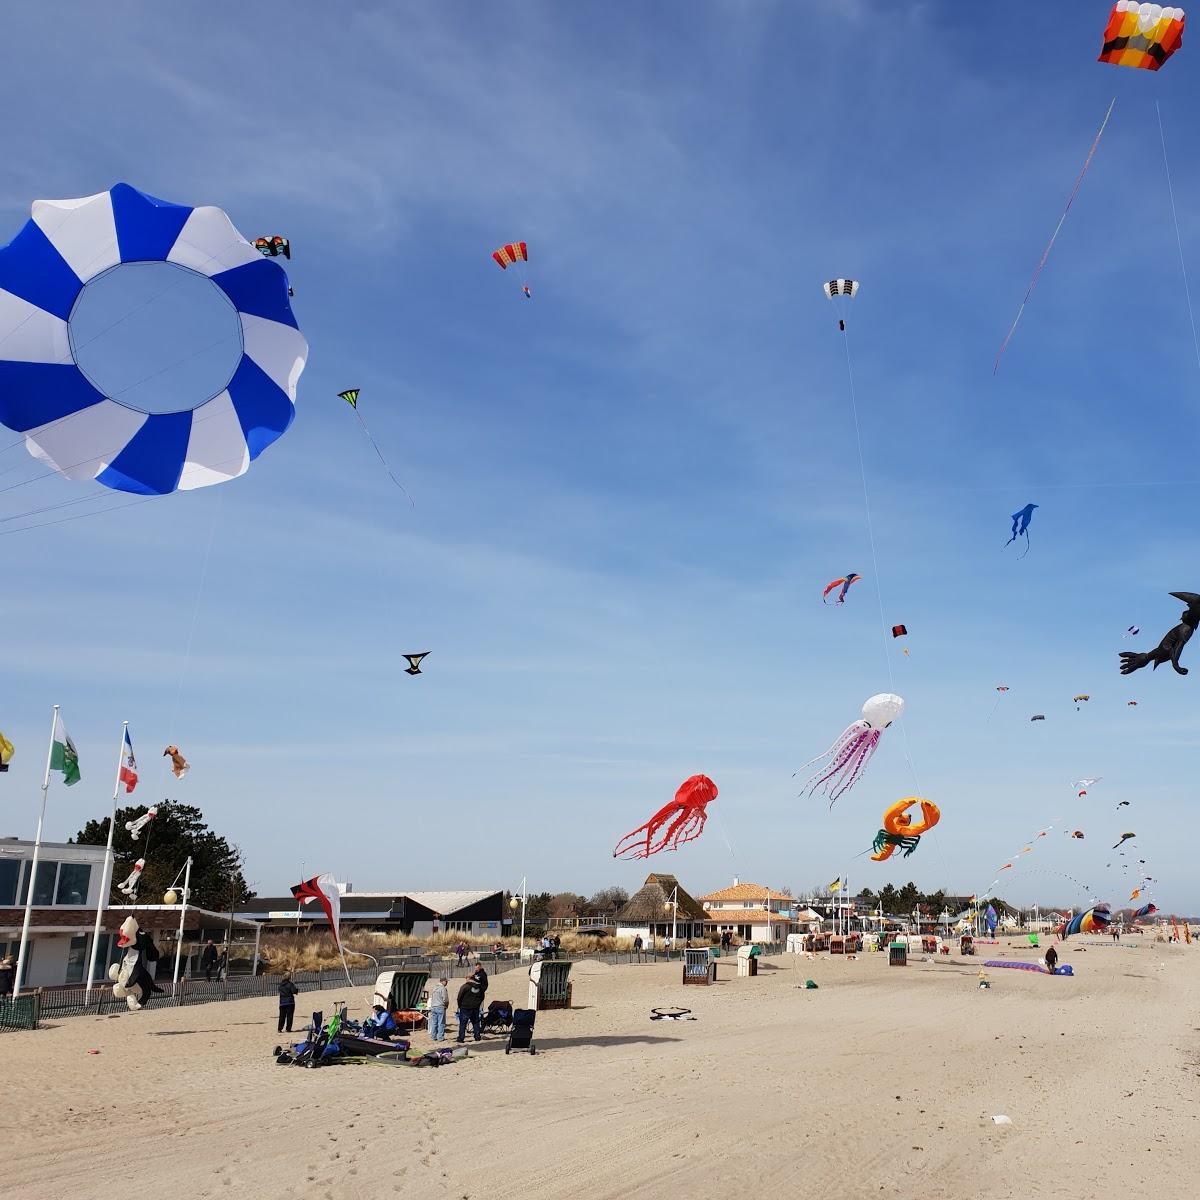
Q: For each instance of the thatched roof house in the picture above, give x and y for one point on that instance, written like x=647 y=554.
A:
x=656 y=907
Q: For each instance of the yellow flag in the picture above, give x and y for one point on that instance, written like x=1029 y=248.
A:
x=6 y=752
x=836 y=884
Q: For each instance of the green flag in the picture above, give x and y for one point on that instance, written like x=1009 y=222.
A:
x=64 y=757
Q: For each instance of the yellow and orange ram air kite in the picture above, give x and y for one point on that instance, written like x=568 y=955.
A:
x=511 y=253
x=1142 y=35
x=900 y=831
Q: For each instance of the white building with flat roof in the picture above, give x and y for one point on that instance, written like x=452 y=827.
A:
x=65 y=893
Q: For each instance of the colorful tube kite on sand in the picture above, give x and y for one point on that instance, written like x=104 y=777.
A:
x=1091 y=920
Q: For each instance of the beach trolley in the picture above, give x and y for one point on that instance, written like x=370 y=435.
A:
x=898 y=954
x=548 y=985
x=747 y=960
x=698 y=967
x=401 y=993
x=520 y=1036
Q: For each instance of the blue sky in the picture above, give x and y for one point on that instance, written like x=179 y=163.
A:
x=630 y=491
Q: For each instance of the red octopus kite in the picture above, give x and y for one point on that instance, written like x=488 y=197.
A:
x=680 y=821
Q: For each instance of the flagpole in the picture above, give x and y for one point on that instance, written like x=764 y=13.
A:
x=187 y=879
x=106 y=871
x=37 y=854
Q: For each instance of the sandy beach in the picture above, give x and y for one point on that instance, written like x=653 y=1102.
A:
x=881 y=1082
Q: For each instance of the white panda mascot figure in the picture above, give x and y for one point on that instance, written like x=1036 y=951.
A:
x=132 y=980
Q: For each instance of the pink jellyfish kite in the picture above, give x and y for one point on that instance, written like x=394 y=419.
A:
x=845 y=760
x=680 y=821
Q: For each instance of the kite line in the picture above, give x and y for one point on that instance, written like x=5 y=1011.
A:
x=1187 y=291
x=1087 y=162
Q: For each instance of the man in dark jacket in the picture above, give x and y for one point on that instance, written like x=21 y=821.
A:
x=481 y=977
x=470 y=998
x=208 y=959
x=287 y=1002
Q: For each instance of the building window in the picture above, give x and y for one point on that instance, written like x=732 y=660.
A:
x=13 y=948
x=43 y=885
x=109 y=953
x=10 y=870
x=73 y=880
x=77 y=959
x=457 y=926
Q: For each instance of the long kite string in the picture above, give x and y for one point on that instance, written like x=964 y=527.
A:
x=375 y=444
x=883 y=625
x=1187 y=291
x=862 y=468
x=1087 y=162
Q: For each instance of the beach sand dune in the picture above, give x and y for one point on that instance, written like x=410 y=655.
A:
x=879 y=1083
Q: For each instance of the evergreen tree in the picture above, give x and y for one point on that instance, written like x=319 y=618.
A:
x=177 y=831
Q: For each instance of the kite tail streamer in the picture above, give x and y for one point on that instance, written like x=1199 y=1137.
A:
x=1187 y=291
x=1087 y=162
x=375 y=444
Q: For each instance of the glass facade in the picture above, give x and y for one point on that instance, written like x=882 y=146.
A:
x=57 y=883
x=73 y=880
x=77 y=959
x=43 y=885
x=10 y=870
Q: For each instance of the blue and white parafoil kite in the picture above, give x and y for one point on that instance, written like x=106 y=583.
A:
x=74 y=427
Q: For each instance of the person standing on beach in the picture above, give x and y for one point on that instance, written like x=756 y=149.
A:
x=8 y=975
x=208 y=959
x=637 y=946
x=462 y=951
x=439 y=1001
x=481 y=977
x=1051 y=959
x=470 y=998
x=287 y=1002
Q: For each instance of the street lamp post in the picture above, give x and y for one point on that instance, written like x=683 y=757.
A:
x=672 y=906
x=512 y=904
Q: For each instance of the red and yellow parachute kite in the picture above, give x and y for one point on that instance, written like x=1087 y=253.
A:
x=513 y=252
x=1142 y=35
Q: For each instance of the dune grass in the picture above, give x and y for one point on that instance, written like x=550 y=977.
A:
x=314 y=951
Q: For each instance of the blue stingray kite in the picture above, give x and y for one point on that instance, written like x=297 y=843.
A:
x=844 y=583
x=1020 y=526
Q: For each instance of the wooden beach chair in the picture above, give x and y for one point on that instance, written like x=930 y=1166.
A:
x=548 y=984
x=698 y=967
x=401 y=992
